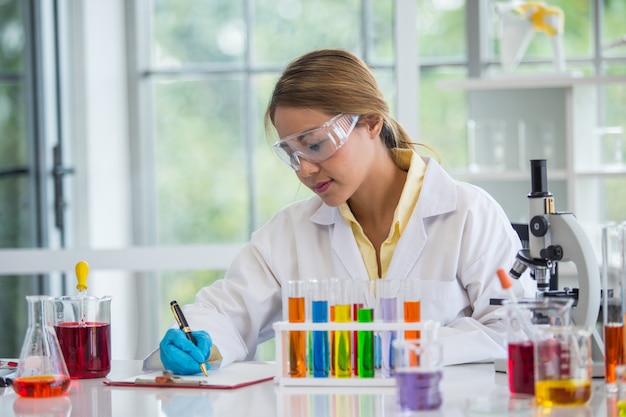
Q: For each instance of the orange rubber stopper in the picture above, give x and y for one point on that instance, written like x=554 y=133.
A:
x=504 y=279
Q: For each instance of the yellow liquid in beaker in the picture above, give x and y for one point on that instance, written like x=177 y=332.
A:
x=562 y=392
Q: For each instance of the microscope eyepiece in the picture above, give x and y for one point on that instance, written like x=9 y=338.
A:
x=538 y=178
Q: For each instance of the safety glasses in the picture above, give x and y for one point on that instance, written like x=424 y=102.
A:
x=317 y=144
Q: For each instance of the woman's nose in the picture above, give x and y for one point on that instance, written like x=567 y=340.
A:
x=307 y=168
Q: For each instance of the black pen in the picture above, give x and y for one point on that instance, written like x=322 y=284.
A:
x=182 y=323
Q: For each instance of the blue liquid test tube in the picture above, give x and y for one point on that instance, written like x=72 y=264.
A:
x=320 y=344
x=377 y=354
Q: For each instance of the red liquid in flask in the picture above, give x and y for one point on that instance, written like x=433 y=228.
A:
x=41 y=386
x=86 y=348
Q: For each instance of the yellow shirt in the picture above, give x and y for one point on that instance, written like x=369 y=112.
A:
x=410 y=161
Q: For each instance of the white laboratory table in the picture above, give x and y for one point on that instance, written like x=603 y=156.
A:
x=460 y=384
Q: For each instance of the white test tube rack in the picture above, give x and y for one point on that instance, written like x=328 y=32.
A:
x=283 y=328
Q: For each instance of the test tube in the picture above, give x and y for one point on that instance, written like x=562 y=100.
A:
x=342 y=340
x=333 y=291
x=308 y=311
x=356 y=305
x=365 y=338
x=387 y=290
x=297 y=338
x=411 y=305
x=613 y=274
x=320 y=347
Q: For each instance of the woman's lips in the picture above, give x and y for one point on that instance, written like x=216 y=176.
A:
x=320 y=187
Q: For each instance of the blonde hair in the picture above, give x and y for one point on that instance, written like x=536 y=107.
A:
x=335 y=81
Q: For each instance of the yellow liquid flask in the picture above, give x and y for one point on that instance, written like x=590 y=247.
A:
x=41 y=371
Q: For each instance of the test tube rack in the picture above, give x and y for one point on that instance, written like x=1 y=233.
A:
x=282 y=329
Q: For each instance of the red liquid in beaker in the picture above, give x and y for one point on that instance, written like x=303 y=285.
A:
x=522 y=368
x=41 y=386
x=86 y=348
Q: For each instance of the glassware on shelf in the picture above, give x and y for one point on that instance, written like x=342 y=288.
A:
x=612 y=149
x=41 y=371
x=536 y=140
x=486 y=145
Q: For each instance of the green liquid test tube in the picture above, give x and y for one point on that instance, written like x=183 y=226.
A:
x=365 y=348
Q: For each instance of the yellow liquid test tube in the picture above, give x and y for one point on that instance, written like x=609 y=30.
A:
x=342 y=343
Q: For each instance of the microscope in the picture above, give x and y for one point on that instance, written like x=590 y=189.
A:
x=558 y=237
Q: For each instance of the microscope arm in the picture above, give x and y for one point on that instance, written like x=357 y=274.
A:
x=567 y=232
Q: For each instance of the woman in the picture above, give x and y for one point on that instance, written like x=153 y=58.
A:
x=379 y=211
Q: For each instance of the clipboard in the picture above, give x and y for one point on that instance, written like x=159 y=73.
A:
x=235 y=375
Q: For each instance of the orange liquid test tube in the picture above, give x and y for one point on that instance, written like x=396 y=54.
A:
x=613 y=314
x=297 y=338
x=411 y=306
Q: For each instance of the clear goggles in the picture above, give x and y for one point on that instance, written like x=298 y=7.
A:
x=317 y=144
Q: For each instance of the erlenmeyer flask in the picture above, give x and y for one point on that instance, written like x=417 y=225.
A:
x=41 y=371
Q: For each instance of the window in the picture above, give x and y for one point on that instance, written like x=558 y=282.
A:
x=30 y=146
x=211 y=70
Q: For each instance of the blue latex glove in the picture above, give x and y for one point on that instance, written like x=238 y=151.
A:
x=181 y=356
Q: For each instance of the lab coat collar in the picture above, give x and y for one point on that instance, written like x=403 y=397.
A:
x=437 y=182
x=439 y=190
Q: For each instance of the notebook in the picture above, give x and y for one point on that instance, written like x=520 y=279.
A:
x=235 y=375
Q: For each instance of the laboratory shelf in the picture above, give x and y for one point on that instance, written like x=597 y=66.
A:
x=518 y=117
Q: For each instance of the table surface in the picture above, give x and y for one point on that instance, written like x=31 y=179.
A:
x=463 y=386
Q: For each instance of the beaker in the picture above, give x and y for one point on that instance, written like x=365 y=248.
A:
x=41 y=371
x=418 y=372
x=83 y=327
x=537 y=313
x=563 y=366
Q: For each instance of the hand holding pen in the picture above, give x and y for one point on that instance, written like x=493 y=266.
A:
x=183 y=351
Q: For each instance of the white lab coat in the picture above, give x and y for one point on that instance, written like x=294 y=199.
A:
x=455 y=240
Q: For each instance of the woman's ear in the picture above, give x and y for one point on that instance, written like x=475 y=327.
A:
x=374 y=124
